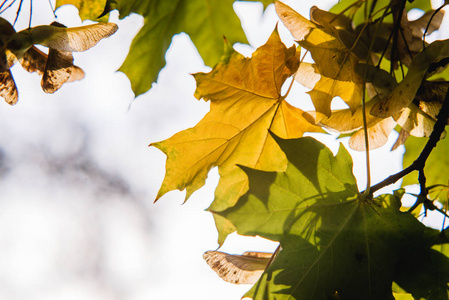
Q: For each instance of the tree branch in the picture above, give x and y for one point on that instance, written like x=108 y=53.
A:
x=420 y=162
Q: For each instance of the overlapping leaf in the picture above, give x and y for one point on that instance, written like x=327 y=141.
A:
x=334 y=61
x=417 y=119
x=246 y=103
x=206 y=22
x=333 y=243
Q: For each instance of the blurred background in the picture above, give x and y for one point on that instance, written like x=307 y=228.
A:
x=78 y=180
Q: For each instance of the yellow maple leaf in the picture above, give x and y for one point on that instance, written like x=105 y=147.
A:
x=334 y=61
x=246 y=103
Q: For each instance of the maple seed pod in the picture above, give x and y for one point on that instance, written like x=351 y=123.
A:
x=75 y=39
x=238 y=269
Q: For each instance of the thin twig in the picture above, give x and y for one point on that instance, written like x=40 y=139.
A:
x=365 y=127
x=10 y=4
x=31 y=13
x=428 y=24
x=18 y=12
x=52 y=9
x=3 y=3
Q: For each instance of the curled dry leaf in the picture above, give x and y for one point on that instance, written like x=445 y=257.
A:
x=239 y=269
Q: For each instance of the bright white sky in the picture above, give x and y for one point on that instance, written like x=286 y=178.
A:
x=77 y=219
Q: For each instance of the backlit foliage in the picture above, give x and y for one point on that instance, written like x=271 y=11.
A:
x=335 y=242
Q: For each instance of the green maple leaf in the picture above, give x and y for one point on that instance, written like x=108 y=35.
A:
x=332 y=241
x=206 y=22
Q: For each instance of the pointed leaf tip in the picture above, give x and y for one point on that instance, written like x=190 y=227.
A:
x=246 y=101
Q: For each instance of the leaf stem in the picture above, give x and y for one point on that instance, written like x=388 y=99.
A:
x=365 y=126
x=365 y=132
